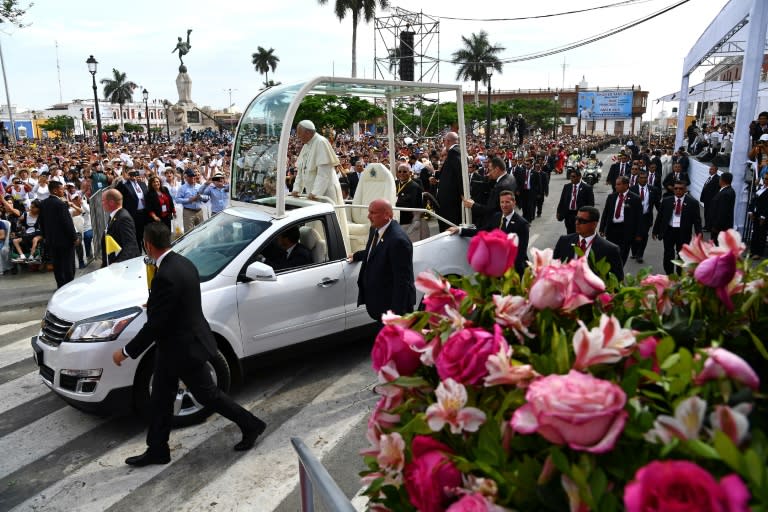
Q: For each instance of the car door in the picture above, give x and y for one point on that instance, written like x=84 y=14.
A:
x=303 y=303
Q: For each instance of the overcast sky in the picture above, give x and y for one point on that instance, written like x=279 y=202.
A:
x=137 y=38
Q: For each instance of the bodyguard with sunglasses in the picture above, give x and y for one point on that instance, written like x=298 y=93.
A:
x=589 y=243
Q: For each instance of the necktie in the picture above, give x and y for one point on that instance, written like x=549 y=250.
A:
x=373 y=244
x=527 y=178
x=679 y=207
x=619 y=206
x=573 y=197
x=621 y=172
x=634 y=180
x=642 y=193
x=583 y=245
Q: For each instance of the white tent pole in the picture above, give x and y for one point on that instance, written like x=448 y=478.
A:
x=750 y=80
x=681 y=110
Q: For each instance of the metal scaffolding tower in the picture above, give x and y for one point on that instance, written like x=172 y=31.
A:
x=393 y=45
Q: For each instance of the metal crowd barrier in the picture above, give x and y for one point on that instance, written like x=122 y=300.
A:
x=312 y=474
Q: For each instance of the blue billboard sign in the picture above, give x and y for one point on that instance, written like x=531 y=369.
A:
x=605 y=104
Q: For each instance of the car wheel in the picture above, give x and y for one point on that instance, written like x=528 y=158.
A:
x=186 y=409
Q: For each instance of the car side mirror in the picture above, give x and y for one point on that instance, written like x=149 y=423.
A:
x=258 y=271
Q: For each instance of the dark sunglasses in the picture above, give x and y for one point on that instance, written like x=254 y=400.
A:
x=580 y=220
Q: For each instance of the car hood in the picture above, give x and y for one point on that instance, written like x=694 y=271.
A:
x=118 y=286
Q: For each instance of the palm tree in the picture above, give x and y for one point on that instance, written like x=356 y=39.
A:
x=118 y=90
x=472 y=60
x=365 y=7
x=264 y=60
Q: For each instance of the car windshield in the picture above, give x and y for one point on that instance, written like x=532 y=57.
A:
x=212 y=245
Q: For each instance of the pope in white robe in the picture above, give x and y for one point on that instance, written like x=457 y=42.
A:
x=316 y=170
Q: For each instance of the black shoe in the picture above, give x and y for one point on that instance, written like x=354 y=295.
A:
x=250 y=435
x=147 y=458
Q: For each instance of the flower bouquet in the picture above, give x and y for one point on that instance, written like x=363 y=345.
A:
x=564 y=390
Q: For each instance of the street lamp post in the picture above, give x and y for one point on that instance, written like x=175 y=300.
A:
x=92 y=63
x=554 y=118
x=145 y=95
x=488 y=72
x=167 y=104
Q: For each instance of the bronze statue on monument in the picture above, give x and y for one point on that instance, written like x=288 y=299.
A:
x=183 y=50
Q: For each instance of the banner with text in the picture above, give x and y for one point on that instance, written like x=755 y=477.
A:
x=605 y=104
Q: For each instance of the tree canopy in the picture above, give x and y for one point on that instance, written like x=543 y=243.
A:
x=11 y=12
x=264 y=60
x=61 y=124
x=118 y=90
x=473 y=59
x=338 y=112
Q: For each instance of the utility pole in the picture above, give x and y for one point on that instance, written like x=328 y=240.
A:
x=564 y=65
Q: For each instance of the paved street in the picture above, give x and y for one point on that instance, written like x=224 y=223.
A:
x=55 y=457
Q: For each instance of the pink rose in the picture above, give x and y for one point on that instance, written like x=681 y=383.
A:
x=430 y=477
x=565 y=286
x=723 y=363
x=464 y=355
x=577 y=409
x=470 y=503
x=674 y=485
x=716 y=272
x=492 y=253
x=394 y=343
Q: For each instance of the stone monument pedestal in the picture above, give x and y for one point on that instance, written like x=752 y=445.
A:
x=185 y=113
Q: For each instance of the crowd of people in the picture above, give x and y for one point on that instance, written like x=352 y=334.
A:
x=180 y=184
x=177 y=184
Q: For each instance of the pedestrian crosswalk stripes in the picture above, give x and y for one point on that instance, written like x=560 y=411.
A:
x=65 y=459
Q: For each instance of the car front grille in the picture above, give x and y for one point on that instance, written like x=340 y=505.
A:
x=54 y=329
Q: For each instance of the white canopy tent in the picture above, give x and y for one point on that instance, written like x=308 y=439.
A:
x=714 y=90
x=739 y=29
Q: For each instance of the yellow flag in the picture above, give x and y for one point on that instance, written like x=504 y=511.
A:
x=112 y=246
x=151 y=268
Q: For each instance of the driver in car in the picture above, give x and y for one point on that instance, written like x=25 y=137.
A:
x=292 y=253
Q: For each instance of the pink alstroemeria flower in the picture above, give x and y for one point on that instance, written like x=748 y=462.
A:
x=392 y=452
x=699 y=250
x=514 y=312
x=684 y=425
x=716 y=272
x=451 y=399
x=732 y=421
x=501 y=371
x=722 y=363
x=607 y=343
x=541 y=258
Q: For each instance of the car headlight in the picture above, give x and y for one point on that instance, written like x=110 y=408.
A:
x=105 y=327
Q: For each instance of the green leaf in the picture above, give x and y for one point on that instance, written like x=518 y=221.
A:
x=560 y=460
x=598 y=483
x=670 y=361
x=411 y=382
x=650 y=375
x=755 y=468
x=728 y=452
x=701 y=449
x=665 y=348
x=758 y=344
x=418 y=425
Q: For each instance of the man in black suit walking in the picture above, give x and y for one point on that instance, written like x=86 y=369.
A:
x=134 y=193
x=528 y=187
x=678 y=216
x=59 y=234
x=650 y=198
x=708 y=191
x=450 y=186
x=386 y=276
x=589 y=243
x=120 y=227
x=723 y=204
x=620 y=168
x=574 y=195
x=621 y=217
x=183 y=347
x=499 y=180
x=677 y=174
x=508 y=221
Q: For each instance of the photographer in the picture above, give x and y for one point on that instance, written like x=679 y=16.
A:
x=759 y=155
x=759 y=128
